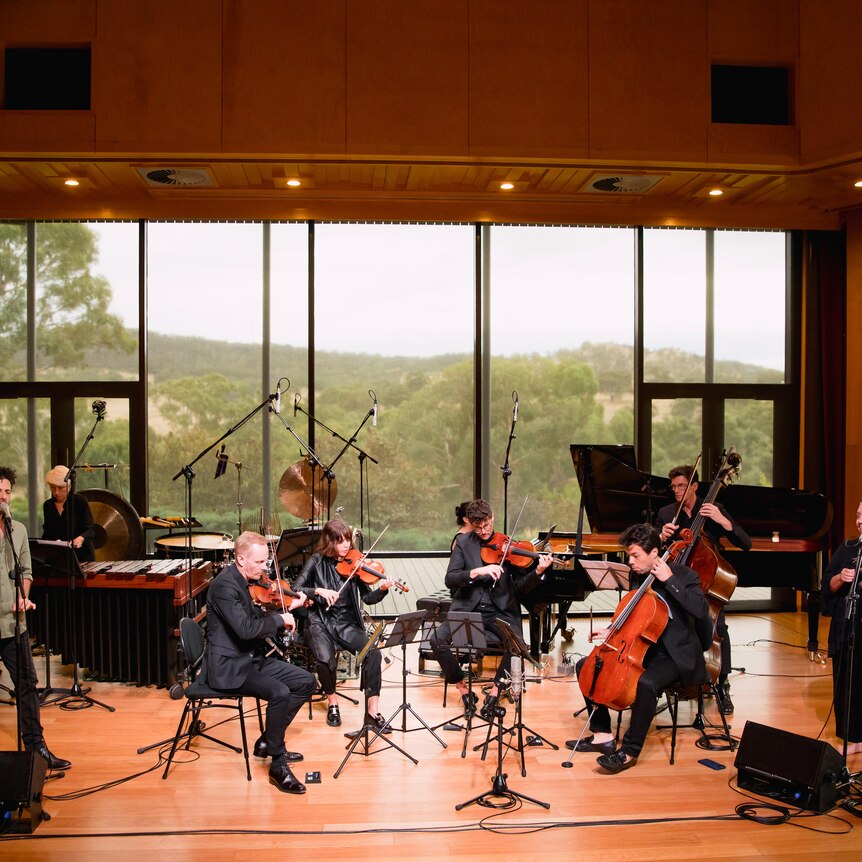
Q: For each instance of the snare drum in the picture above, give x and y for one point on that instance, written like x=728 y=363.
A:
x=214 y=547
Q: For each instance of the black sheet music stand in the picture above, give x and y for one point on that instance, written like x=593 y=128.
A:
x=59 y=557
x=467 y=637
x=295 y=546
x=605 y=575
x=404 y=632
x=514 y=644
x=368 y=733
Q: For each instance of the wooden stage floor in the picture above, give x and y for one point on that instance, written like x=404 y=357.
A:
x=113 y=803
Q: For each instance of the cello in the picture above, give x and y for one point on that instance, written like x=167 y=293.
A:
x=717 y=577
x=610 y=674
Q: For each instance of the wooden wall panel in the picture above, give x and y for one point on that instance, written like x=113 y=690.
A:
x=853 y=453
x=649 y=80
x=744 y=32
x=34 y=23
x=157 y=76
x=407 y=76
x=529 y=78
x=284 y=76
x=830 y=79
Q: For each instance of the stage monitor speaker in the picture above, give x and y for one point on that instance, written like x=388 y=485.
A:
x=22 y=776
x=794 y=769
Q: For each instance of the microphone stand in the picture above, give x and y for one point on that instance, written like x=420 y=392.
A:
x=506 y=468
x=328 y=472
x=851 y=611
x=77 y=696
x=19 y=592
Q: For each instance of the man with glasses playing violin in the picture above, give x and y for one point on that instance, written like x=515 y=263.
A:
x=235 y=629
x=335 y=618
x=491 y=589
x=718 y=524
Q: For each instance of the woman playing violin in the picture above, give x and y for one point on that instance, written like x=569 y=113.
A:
x=676 y=657
x=491 y=589
x=335 y=617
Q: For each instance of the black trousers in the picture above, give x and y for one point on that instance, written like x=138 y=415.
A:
x=853 y=732
x=325 y=643
x=441 y=645
x=25 y=682
x=661 y=673
x=285 y=688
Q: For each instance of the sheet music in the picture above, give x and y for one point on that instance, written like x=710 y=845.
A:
x=607 y=576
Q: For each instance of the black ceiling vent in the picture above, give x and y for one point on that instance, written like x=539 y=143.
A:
x=628 y=183
x=185 y=177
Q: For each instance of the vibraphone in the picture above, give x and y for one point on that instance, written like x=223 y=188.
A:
x=125 y=614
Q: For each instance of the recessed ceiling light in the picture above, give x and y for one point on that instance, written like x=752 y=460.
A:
x=507 y=186
x=715 y=193
x=71 y=182
x=294 y=183
x=858 y=184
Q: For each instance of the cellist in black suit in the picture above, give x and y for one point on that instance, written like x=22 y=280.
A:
x=675 y=659
x=233 y=661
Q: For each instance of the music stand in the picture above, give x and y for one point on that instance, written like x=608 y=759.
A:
x=515 y=646
x=368 y=733
x=605 y=575
x=60 y=557
x=295 y=546
x=404 y=632
x=467 y=634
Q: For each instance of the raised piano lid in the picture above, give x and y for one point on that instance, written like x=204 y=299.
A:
x=616 y=494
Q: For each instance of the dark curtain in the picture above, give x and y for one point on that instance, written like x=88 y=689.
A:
x=823 y=273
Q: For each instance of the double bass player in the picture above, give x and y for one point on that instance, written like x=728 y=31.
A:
x=676 y=657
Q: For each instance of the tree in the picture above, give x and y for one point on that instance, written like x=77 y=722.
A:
x=72 y=315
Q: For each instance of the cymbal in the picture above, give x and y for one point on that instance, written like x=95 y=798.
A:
x=299 y=496
x=119 y=535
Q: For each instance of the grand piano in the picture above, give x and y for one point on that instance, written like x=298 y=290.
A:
x=787 y=527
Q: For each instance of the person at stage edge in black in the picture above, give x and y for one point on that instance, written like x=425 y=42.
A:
x=234 y=660
x=491 y=590
x=675 y=659
x=24 y=679
x=834 y=591
x=79 y=531
x=717 y=524
x=335 y=619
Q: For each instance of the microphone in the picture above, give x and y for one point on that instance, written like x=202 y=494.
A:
x=374 y=409
x=296 y=400
x=7 y=516
x=516 y=676
x=221 y=467
x=515 y=409
x=277 y=407
x=100 y=408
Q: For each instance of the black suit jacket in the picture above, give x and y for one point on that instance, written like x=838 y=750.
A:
x=466 y=593
x=687 y=603
x=235 y=627
x=713 y=531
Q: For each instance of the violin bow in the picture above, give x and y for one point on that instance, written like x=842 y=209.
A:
x=687 y=486
x=508 y=543
x=361 y=560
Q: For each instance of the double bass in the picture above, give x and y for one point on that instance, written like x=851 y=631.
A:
x=717 y=577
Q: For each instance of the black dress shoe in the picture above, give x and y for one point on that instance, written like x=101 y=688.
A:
x=616 y=761
x=333 y=716
x=281 y=776
x=260 y=749
x=722 y=699
x=588 y=745
x=52 y=761
x=469 y=700
x=375 y=723
x=489 y=707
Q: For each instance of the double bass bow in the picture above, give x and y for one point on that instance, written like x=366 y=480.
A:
x=610 y=674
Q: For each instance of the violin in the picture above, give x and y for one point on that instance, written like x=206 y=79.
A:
x=499 y=549
x=368 y=571
x=270 y=594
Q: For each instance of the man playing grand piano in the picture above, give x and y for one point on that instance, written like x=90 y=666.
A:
x=718 y=524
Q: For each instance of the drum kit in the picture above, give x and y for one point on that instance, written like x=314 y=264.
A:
x=119 y=530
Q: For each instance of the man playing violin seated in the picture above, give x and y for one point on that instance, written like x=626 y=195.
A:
x=491 y=589
x=675 y=659
x=235 y=628
x=335 y=618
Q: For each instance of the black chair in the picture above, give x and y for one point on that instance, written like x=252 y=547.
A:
x=707 y=741
x=199 y=696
